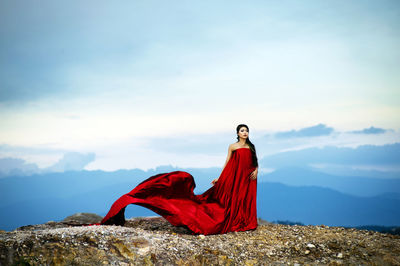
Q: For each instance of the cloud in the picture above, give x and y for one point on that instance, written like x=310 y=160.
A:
x=211 y=143
x=370 y=130
x=17 y=167
x=11 y=149
x=317 y=130
x=373 y=155
x=72 y=161
x=136 y=39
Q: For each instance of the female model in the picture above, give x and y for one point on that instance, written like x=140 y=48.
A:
x=229 y=205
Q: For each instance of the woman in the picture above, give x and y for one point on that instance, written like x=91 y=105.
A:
x=229 y=205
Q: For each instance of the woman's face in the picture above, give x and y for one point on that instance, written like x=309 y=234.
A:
x=243 y=133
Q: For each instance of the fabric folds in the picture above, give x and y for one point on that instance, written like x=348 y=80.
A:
x=229 y=205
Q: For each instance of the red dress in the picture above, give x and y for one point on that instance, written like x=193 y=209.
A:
x=229 y=205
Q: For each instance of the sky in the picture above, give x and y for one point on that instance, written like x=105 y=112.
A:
x=137 y=84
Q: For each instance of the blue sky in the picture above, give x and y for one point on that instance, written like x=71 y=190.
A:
x=140 y=84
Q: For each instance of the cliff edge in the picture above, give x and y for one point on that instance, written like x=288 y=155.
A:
x=153 y=241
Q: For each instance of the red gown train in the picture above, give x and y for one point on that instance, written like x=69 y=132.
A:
x=229 y=205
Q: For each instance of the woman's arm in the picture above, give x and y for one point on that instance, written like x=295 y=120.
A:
x=253 y=174
x=230 y=150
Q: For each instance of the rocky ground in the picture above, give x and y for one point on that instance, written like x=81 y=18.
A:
x=153 y=241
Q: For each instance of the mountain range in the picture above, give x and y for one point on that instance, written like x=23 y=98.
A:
x=291 y=193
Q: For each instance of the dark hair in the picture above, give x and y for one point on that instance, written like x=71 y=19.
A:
x=248 y=142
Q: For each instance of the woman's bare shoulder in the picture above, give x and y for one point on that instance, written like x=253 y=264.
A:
x=234 y=146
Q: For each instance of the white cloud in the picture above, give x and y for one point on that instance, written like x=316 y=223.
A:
x=16 y=167
x=72 y=161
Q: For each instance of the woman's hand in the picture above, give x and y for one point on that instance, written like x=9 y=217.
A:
x=214 y=181
x=253 y=175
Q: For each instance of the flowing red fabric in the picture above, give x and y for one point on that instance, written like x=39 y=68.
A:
x=229 y=205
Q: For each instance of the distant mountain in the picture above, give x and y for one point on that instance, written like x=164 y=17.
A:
x=309 y=205
x=53 y=208
x=375 y=161
x=61 y=185
x=308 y=197
x=358 y=186
x=316 y=205
x=64 y=185
x=384 y=155
x=39 y=198
x=348 y=170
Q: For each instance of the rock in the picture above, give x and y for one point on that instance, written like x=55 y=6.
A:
x=310 y=245
x=83 y=218
x=153 y=241
x=251 y=262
